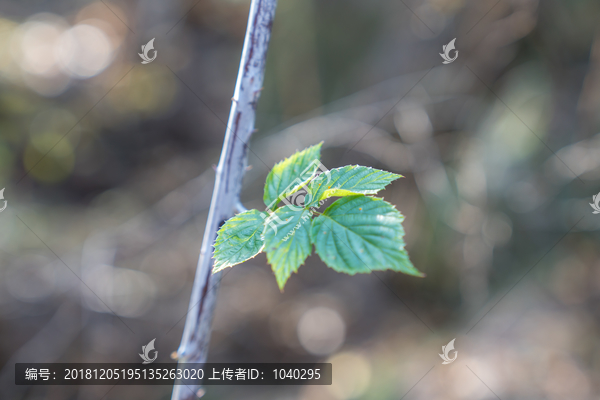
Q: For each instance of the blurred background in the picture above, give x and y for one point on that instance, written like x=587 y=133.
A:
x=108 y=170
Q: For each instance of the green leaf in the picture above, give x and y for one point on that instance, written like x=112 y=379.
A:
x=360 y=234
x=238 y=240
x=287 y=241
x=350 y=180
x=289 y=175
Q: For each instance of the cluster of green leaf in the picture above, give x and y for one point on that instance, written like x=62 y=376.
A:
x=355 y=234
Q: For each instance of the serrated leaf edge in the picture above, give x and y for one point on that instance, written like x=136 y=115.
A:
x=275 y=202
x=220 y=266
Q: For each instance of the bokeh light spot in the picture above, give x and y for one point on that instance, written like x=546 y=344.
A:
x=351 y=376
x=321 y=330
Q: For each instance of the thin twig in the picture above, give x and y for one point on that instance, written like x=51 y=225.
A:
x=230 y=171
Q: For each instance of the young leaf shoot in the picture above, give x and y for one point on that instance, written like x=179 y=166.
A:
x=357 y=233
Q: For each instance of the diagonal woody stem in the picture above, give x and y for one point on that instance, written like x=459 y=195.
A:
x=230 y=171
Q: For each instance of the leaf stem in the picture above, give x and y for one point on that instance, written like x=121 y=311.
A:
x=239 y=207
